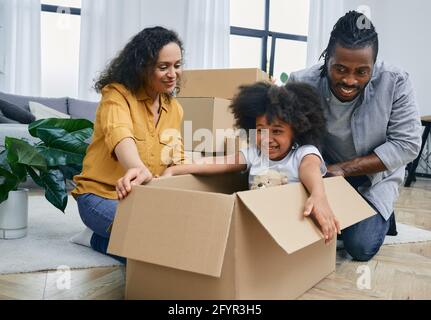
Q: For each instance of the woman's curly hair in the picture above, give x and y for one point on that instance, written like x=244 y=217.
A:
x=135 y=63
x=298 y=104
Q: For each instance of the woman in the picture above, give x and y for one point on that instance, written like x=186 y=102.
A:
x=136 y=108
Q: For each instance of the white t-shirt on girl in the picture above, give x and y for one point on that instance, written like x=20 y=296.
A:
x=289 y=165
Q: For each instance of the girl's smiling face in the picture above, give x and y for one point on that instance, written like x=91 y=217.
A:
x=278 y=140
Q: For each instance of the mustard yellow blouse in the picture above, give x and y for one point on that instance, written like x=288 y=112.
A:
x=119 y=115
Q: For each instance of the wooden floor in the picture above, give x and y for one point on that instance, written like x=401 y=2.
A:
x=396 y=272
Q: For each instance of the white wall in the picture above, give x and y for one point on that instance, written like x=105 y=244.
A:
x=404 y=39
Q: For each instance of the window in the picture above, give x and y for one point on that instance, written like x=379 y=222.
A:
x=269 y=34
x=60 y=33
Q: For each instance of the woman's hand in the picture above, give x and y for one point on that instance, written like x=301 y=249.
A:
x=133 y=176
x=318 y=208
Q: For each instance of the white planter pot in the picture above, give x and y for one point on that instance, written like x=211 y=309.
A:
x=14 y=215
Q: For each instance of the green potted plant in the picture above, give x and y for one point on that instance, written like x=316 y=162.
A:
x=50 y=163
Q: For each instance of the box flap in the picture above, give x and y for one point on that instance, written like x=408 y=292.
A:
x=181 y=229
x=346 y=203
x=280 y=211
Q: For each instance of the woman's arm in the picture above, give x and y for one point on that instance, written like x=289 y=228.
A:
x=210 y=165
x=137 y=173
x=317 y=203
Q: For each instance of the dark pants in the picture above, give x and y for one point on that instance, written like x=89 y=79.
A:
x=364 y=239
x=98 y=213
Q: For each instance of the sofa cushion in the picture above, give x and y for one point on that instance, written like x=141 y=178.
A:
x=59 y=104
x=15 y=113
x=4 y=119
x=41 y=111
x=81 y=109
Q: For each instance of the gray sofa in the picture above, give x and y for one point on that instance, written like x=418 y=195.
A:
x=77 y=109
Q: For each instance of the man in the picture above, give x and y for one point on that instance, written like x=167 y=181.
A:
x=373 y=125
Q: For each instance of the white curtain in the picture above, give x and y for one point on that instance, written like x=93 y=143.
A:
x=207 y=34
x=323 y=15
x=107 y=25
x=20 y=47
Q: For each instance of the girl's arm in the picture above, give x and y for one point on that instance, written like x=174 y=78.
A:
x=209 y=165
x=317 y=204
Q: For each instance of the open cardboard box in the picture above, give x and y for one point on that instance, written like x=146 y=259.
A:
x=221 y=83
x=196 y=237
x=207 y=124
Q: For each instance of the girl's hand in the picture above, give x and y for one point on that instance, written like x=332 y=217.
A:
x=133 y=176
x=167 y=173
x=318 y=208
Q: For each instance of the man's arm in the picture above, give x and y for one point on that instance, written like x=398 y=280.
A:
x=358 y=166
x=403 y=133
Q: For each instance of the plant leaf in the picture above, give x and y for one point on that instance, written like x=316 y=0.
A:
x=61 y=139
x=8 y=182
x=21 y=152
x=70 y=171
x=70 y=125
x=3 y=160
x=56 y=157
x=55 y=188
x=284 y=77
x=33 y=174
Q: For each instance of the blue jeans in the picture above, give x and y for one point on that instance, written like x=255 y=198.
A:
x=98 y=213
x=364 y=239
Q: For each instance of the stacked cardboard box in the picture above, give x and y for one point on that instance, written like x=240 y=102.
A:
x=205 y=97
x=222 y=83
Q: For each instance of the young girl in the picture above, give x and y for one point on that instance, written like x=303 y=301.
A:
x=289 y=124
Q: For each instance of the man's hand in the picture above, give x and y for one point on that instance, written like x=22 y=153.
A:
x=133 y=176
x=317 y=207
x=359 y=166
x=335 y=170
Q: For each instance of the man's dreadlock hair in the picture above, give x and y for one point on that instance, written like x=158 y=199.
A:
x=354 y=30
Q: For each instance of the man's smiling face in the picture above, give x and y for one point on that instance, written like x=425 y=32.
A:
x=349 y=71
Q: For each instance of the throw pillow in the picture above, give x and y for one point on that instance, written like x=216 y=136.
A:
x=4 y=119
x=43 y=112
x=15 y=113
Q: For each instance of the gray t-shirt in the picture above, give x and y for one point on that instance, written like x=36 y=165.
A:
x=339 y=142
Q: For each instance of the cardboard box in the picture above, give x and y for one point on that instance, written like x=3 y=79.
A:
x=190 y=237
x=222 y=83
x=207 y=124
